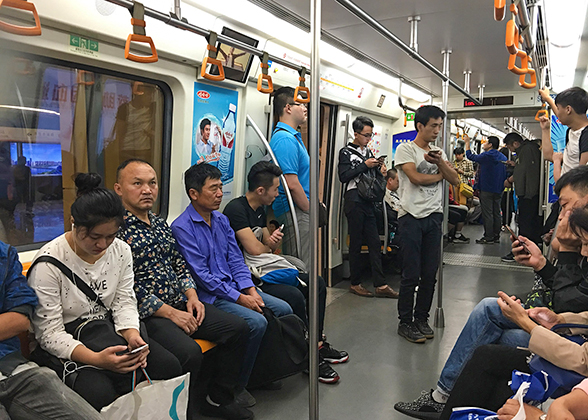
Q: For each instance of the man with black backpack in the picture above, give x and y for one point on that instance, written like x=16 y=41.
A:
x=364 y=185
x=422 y=168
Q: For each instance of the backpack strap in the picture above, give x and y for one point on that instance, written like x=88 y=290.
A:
x=74 y=278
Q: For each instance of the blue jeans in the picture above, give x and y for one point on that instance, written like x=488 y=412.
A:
x=486 y=325
x=38 y=394
x=257 y=325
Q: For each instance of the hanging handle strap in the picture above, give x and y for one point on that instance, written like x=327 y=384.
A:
x=499 y=9
x=139 y=35
x=265 y=75
x=541 y=113
x=524 y=69
x=21 y=30
x=301 y=88
x=528 y=85
x=212 y=60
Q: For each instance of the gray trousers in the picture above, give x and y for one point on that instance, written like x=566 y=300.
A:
x=491 y=213
x=289 y=239
x=38 y=394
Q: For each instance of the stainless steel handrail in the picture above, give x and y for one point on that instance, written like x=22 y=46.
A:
x=378 y=27
x=259 y=133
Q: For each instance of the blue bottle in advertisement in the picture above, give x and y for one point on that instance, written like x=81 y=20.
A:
x=226 y=162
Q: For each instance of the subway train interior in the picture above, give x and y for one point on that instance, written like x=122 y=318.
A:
x=73 y=73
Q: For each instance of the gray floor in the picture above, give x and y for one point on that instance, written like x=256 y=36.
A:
x=383 y=367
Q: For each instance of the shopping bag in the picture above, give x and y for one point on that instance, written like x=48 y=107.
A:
x=152 y=400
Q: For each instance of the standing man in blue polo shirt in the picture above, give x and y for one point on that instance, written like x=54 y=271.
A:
x=292 y=157
x=491 y=184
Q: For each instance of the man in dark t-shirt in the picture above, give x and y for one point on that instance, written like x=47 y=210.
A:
x=247 y=213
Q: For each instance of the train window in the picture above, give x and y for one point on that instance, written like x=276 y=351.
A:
x=57 y=120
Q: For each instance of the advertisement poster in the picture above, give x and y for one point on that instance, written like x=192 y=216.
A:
x=214 y=129
x=558 y=140
x=400 y=138
x=375 y=144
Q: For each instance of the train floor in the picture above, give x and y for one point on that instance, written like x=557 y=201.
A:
x=383 y=367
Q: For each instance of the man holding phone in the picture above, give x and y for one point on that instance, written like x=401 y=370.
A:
x=355 y=159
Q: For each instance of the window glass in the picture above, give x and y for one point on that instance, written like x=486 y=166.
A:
x=57 y=121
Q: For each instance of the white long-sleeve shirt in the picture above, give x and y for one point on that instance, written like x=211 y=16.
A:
x=60 y=301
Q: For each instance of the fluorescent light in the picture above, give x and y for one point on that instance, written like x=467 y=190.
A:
x=373 y=75
x=26 y=108
x=565 y=24
x=415 y=94
x=335 y=56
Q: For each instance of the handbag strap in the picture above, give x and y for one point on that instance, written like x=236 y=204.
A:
x=75 y=279
x=570 y=326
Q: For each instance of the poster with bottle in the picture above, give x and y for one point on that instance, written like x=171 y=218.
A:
x=558 y=141
x=214 y=129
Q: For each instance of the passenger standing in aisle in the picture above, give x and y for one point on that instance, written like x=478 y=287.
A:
x=292 y=157
x=421 y=168
x=167 y=298
x=355 y=159
x=491 y=184
x=207 y=242
x=526 y=176
x=27 y=391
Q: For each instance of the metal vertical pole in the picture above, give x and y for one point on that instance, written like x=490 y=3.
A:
x=313 y=147
x=414 y=34
x=439 y=321
x=468 y=77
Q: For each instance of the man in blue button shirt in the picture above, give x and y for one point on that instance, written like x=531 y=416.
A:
x=491 y=185
x=292 y=157
x=207 y=242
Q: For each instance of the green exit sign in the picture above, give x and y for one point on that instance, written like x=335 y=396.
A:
x=410 y=116
x=83 y=46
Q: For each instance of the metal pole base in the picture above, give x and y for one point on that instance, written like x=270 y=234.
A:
x=439 y=321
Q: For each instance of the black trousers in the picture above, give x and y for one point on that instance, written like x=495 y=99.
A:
x=297 y=298
x=362 y=228
x=228 y=331
x=102 y=387
x=490 y=203
x=420 y=245
x=483 y=381
x=530 y=223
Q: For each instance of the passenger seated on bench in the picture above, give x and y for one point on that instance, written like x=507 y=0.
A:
x=207 y=242
x=168 y=302
x=247 y=214
x=27 y=391
x=105 y=265
x=487 y=325
x=458 y=214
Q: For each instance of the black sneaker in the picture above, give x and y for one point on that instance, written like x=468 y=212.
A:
x=485 y=241
x=424 y=328
x=411 y=332
x=424 y=407
x=327 y=374
x=332 y=355
x=244 y=399
x=508 y=258
x=232 y=411
x=460 y=239
x=497 y=239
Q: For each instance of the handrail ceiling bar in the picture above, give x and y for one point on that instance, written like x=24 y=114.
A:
x=252 y=124
x=180 y=24
x=378 y=27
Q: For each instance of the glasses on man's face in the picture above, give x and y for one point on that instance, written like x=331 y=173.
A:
x=297 y=104
x=367 y=136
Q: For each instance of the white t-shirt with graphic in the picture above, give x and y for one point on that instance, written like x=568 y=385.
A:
x=418 y=200
x=576 y=145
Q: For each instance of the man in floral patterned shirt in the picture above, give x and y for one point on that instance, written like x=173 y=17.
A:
x=166 y=293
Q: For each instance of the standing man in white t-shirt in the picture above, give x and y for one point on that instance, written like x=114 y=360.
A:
x=421 y=169
x=570 y=107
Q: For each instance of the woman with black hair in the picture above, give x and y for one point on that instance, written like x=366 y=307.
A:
x=102 y=290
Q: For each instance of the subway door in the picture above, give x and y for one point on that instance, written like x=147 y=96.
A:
x=337 y=224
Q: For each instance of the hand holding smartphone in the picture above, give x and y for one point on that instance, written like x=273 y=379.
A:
x=281 y=228
x=134 y=351
x=516 y=238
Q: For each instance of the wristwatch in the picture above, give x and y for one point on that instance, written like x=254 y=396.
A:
x=543 y=416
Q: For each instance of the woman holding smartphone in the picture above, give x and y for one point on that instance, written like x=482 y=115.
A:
x=103 y=265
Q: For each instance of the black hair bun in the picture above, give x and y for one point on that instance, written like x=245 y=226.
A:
x=87 y=182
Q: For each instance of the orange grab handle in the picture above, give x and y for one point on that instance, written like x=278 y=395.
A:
x=21 y=30
x=524 y=69
x=138 y=58
x=221 y=71
x=270 y=84
x=82 y=78
x=541 y=113
x=405 y=118
x=301 y=99
x=499 y=8
x=523 y=83
x=512 y=37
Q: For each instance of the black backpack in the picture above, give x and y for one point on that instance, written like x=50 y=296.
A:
x=371 y=185
x=283 y=351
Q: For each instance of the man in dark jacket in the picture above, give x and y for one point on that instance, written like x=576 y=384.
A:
x=526 y=177
x=27 y=391
x=492 y=176
x=355 y=159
